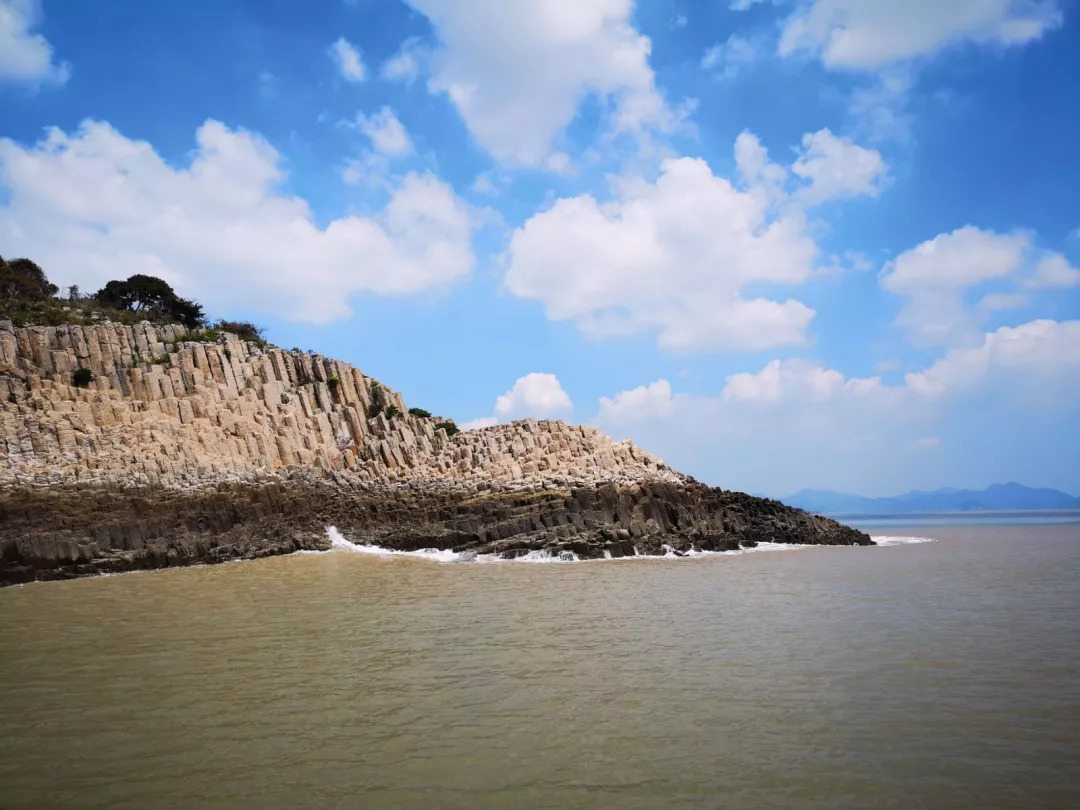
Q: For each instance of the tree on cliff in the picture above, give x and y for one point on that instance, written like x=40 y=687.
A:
x=23 y=280
x=150 y=295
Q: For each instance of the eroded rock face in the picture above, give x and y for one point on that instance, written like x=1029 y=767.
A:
x=178 y=453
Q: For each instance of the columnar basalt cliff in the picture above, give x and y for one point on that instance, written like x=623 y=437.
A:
x=130 y=447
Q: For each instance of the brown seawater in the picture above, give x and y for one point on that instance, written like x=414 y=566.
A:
x=932 y=675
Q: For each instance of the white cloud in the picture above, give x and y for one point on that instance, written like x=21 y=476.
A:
x=837 y=168
x=534 y=395
x=27 y=58
x=347 y=59
x=789 y=425
x=479 y=424
x=937 y=275
x=674 y=255
x=871 y=34
x=954 y=260
x=1053 y=272
x=795 y=423
x=753 y=164
x=371 y=169
x=484 y=184
x=94 y=206
x=644 y=402
x=794 y=379
x=517 y=72
x=560 y=163
x=880 y=111
x=727 y=58
x=387 y=133
x=405 y=65
x=1042 y=349
x=999 y=301
x=680 y=21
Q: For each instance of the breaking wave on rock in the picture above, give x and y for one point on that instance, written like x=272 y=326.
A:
x=340 y=543
x=901 y=541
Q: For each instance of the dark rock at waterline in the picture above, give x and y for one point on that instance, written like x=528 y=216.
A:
x=61 y=533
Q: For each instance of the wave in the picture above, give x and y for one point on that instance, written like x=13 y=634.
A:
x=901 y=541
x=341 y=543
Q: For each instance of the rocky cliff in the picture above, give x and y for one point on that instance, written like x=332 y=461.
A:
x=131 y=446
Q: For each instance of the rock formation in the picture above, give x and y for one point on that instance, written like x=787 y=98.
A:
x=132 y=447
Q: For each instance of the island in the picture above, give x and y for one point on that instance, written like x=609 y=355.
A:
x=151 y=444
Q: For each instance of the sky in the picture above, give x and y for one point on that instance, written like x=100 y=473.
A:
x=783 y=244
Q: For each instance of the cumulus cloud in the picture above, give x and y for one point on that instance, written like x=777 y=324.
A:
x=795 y=379
x=936 y=276
x=1043 y=351
x=890 y=41
x=962 y=258
x=674 y=255
x=796 y=423
x=726 y=59
x=479 y=424
x=836 y=167
x=1053 y=272
x=871 y=34
x=516 y=72
x=405 y=65
x=537 y=395
x=996 y=302
x=644 y=402
x=94 y=205
x=347 y=59
x=27 y=58
x=386 y=132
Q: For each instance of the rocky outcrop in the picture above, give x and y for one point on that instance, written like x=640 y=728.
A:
x=178 y=451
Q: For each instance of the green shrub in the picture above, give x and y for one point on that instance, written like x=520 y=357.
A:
x=449 y=427
x=82 y=377
x=420 y=412
x=392 y=411
x=334 y=383
x=242 y=329
x=151 y=297
x=373 y=410
x=23 y=280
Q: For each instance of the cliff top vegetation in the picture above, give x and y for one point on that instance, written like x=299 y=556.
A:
x=27 y=297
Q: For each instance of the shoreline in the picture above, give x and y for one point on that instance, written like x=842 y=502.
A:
x=63 y=533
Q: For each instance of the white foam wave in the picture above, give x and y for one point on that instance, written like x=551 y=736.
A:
x=341 y=543
x=541 y=556
x=901 y=541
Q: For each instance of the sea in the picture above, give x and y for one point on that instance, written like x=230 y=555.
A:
x=939 y=669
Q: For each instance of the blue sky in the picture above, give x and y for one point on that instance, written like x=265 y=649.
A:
x=781 y=243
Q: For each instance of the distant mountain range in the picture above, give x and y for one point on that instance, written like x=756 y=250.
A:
x=999 y=497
